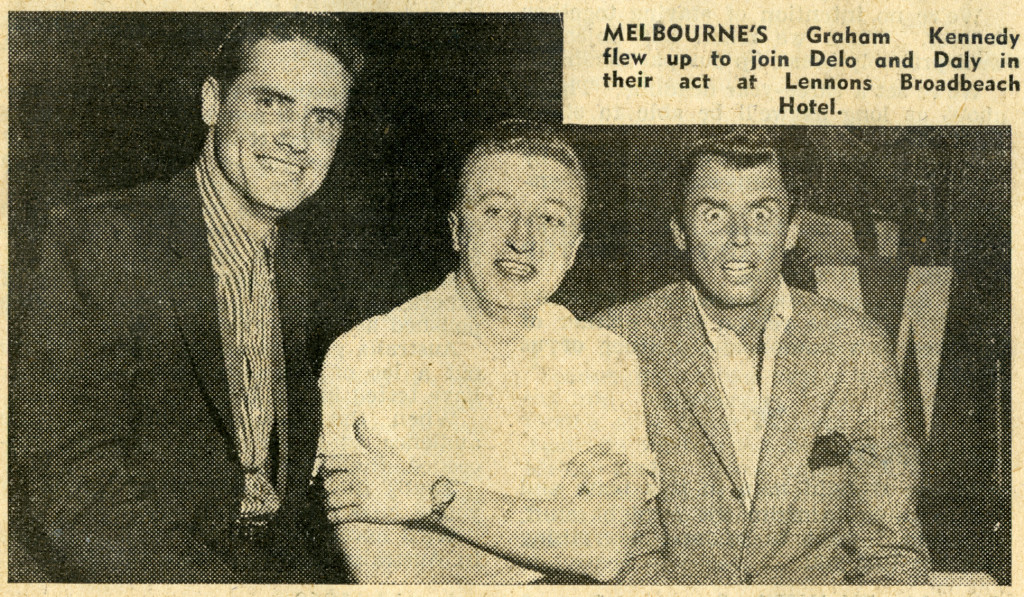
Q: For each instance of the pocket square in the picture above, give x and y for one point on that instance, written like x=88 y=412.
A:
x=829 y=450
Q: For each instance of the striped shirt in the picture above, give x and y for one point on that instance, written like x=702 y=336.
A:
x=242 y=251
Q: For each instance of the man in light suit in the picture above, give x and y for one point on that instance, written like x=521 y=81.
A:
x=164 y=408
x=775 y=415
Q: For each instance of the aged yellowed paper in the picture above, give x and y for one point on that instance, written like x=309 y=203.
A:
x=417 y=297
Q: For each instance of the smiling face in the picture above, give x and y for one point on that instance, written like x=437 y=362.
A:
x=517 y=228
x=276 y=127
x=737 y=227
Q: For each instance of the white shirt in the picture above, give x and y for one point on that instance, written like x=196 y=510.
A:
x=424 y=381
x=745 y=400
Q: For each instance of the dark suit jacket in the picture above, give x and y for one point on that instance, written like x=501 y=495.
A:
x=123 y=459
x=850 y=523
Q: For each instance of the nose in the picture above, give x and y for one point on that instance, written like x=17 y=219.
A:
x=294 y=134
x=521 y=237
x=740 y=233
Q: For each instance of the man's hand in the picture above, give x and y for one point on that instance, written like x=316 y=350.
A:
x=377 y=487
x=592 y=471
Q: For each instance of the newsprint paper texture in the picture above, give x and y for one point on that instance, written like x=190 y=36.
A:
x=453 y=298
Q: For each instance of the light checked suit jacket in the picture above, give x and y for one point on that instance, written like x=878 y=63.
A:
x=853 y=523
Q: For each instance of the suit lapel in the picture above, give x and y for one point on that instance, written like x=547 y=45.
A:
x=302 y=409
x=800 y=395
x=696 y=384
x=193 y=289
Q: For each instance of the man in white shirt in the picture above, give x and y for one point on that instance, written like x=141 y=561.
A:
x=498 y=438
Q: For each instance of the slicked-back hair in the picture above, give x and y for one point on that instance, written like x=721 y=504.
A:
x=741 y=150
x=524 y=137
x=322 y=30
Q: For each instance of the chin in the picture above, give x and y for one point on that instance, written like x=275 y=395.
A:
x=279 y=201
x=520 y=304
x=731 y=296
x=514 y=301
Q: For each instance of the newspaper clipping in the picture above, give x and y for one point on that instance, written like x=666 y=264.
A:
x=417 y=298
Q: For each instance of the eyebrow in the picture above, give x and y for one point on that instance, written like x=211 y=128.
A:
x=763 y=201
x=560 y=203
x=264 y=90
x=492 y=195
x=330 y=112
x=711 y=203
x=501 y=195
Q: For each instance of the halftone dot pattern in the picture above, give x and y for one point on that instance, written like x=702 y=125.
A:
x=125 y=442
x=906 y=226
x=518 y=219
x=866 y=198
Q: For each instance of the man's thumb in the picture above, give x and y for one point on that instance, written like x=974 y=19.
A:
x=368 y=440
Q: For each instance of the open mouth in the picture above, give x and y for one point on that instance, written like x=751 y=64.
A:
x=273 y=164
x=738 y=267
x=515 y=269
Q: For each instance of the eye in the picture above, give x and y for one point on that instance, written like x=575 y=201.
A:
x=553 y=220
x=714 y=216
x=493 y=211
x=762 y=214
x=266 y=101
x=325 y=120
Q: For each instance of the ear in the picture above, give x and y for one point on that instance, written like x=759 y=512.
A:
x=677 y=234
x=455 y=223
x=793 y=233
x=211 y=101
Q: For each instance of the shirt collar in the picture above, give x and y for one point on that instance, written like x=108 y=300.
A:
x=228 y=215
x=782 y=310
x=453 y=310
x=462 y=324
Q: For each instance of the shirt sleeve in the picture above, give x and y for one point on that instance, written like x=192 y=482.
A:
x=628 y=408
x=343 y=390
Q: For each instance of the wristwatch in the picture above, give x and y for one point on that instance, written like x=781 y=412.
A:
x=442 y=494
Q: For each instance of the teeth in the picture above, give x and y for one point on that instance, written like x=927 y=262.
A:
x=738 y=266
x=515 y=268
x=280 y=166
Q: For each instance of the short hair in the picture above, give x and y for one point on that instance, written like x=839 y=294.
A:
x=524 y=137
x=741 y=150
x=322 y=30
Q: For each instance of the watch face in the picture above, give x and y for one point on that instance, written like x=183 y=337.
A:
x=442 y=493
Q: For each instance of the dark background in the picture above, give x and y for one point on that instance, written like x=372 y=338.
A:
x=106 y=100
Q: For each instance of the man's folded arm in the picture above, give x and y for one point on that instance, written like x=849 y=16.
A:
x=413 y=554
x=585 y=527
x=588 y=534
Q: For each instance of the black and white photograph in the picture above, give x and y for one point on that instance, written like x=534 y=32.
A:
x=339 y=298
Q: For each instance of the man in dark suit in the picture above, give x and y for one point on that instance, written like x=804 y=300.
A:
x=775 y=415
x=164 y=408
